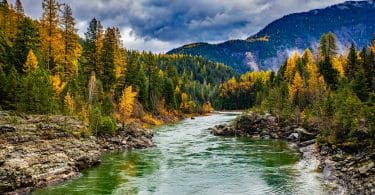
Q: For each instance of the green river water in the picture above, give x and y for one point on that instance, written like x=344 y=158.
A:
x=189 y=160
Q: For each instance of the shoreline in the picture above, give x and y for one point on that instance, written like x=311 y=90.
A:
x=342 y=173
x=35 y=151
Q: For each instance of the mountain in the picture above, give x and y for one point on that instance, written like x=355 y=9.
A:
x=352 y=21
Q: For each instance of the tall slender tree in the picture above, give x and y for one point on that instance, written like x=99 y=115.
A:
x=92 y=47
x=72 y=48
x=51 y=36
x=19 y=7
x=352 y=62
x=328 y=47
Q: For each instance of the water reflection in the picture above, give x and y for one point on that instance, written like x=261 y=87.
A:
x=189 y=160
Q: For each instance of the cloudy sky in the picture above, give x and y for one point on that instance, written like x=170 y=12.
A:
x=161 y=25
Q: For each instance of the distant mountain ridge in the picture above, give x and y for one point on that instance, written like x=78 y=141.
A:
x=352 y=21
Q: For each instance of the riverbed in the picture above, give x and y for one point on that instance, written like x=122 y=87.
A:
x=187 y=159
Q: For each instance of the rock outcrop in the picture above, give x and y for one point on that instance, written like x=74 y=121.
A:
x=264 y=126
x=36 y=151
x=347 y=173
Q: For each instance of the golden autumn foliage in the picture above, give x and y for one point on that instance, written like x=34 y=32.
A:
x=31 y=63
x=57 y=84
x=69 y=104
x=207 y=107
x=290 y=67
x=308 y=56
x=296 y=87
x=228 y=87
x=184 y=101
x=245 y=83
x=338 y=64
x=126 y=104
x=149 y=119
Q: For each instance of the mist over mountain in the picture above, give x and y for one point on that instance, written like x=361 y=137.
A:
x=352 y=21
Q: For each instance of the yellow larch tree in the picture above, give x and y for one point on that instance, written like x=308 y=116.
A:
x=338 y=64
x=126 y=104
x=31 y=63
x=290 y=67
x=57 y=84
x=207 y=107
x=296 y=88
x=52 y=45
x=315 y=82
x=184 y=102
x=69 y=104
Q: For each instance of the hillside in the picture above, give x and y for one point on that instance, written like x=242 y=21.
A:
x=350 y=22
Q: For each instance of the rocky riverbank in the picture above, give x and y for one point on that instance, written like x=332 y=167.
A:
x=345 y=172
x=36 y=151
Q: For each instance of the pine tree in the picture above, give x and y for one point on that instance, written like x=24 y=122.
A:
x=52 y=46
x=352 y=63
x=327 y=47
x=27 y=38
x=19 y=8
x=36 y=93
x=72 y=48
x=330 y=74
x=360 y=86
x=168 y=93
x=92 y=47
x=31 y=63
x=108 y=58
x=4 y=3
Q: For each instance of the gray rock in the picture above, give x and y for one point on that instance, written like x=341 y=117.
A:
x=7 y=128
x=365 y=168
x=293 y=136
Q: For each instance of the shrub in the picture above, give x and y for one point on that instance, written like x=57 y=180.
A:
x=107 y=126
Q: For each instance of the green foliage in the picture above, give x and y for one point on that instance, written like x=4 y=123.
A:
x=343 y=113
x=26 y=38
x=107 y=126
x=36 y=93
x=95 y=116
x=352 y=65
x=329 y=73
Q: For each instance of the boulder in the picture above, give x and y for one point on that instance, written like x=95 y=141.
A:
x=365 y=168
x=7 y=128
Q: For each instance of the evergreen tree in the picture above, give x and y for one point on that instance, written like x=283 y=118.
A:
x=327 y=47
x=19 y=8
x=92 y=47
x=4 y=3
x=108 y=58
x=36 y=93
x=72 y=48
x=9 y=89
x=168 y=93
x=360 y=86
x=27 y=38
x=52 y=46
x=352 y=63
x=329 y=73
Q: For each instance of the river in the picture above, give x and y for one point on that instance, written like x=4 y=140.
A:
x=189 y=160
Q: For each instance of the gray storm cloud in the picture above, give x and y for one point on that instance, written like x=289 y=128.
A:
x=160 y=25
